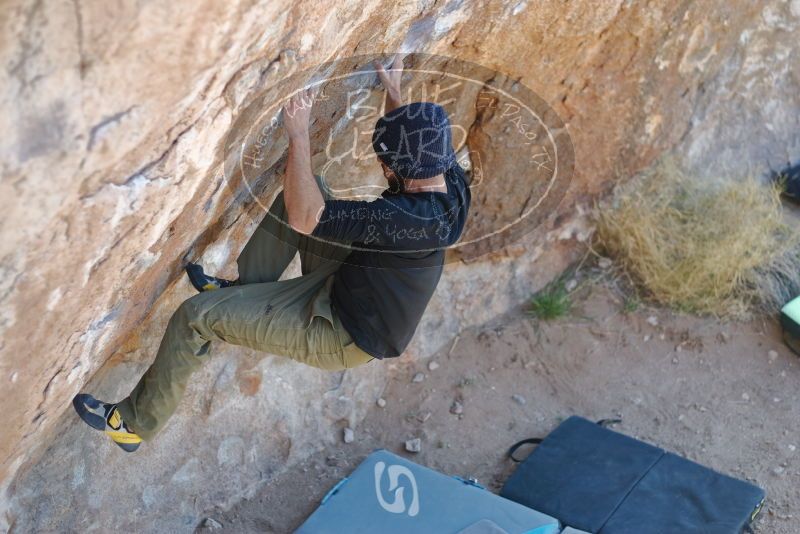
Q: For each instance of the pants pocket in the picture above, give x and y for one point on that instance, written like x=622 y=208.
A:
x=321 y=303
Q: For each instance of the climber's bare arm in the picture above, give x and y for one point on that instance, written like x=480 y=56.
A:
x=391 y=81
x=304 y=202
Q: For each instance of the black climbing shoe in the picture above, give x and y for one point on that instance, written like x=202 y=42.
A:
x=202 y=282
x=106 y=417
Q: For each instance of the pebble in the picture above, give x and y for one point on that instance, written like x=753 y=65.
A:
x=745 y=396
x=675 y=360
x=571 y=285
x=652 y=320
x=349 y=436
x=414 y=445
x=772 y=355
x=456 y=408
x=419 y=377
x=432 y=366
x=778 y=471
x=647 y=338
x=792 y=448
x=604 y=263
x=424 y=416
x=519 y=399
x=381 y=402
x=211 y=523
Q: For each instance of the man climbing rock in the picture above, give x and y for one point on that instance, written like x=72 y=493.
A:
x=369 y=268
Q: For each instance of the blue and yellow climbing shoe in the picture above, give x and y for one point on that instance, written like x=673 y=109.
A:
x=202 y=282
x=106 y=417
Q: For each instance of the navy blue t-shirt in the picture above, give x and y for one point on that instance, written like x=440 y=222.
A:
x=397 y=257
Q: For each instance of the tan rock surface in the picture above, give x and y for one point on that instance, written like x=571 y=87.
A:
x=116 y=118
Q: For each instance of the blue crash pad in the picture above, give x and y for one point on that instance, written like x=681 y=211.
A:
x=601 y=481
x=389 y=494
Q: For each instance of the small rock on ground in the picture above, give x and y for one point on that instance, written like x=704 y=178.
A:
x=604 y=263
x=519 y=399
x=772 y=355
x=211 y=524
x=652 y=320
x=414 y=445
x=432 y=366
x=419 y=377
x=456 y=408
x=348 y=435
x=571 y=285
x=381 y=402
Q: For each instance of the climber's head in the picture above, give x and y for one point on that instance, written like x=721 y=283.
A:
x=413 y=142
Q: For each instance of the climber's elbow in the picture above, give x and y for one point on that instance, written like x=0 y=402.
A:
x=303 y=223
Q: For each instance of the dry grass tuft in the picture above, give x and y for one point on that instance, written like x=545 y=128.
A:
x=717 y=247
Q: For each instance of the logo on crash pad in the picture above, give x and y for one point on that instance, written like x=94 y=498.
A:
x=397 y=505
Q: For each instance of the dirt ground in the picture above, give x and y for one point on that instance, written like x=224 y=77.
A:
x=711 y=391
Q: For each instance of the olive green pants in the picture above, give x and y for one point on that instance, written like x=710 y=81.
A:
x=291 y=318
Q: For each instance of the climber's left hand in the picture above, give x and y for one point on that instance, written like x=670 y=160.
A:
x=296 y=113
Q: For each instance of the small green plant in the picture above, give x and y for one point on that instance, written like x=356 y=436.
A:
x=466 y=382
x=551 y=303
x=631 y=304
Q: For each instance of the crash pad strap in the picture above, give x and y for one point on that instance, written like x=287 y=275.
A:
x=535 y=441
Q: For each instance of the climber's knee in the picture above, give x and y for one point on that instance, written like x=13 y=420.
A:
x=188 y=331
x=189 y=307
x=189 y=312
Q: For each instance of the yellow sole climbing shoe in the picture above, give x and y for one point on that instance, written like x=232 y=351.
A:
x=106 y=417
x=203 y=282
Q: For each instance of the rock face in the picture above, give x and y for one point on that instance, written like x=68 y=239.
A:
x=118 y=121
